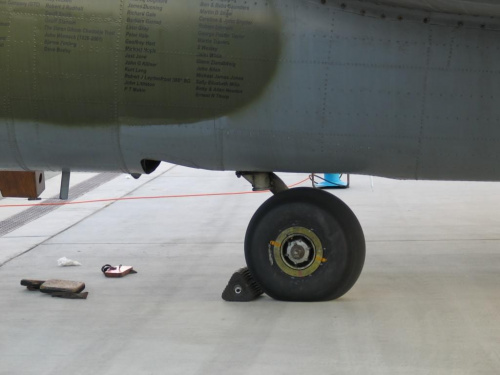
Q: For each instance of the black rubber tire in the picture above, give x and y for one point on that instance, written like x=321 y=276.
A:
x=335 y=225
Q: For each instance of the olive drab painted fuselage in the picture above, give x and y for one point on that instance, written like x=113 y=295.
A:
x=393 y=88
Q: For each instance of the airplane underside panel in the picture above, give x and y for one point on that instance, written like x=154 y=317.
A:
x=487 y=8
x=275 y=85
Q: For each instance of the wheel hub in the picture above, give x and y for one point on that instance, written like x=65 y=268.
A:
x=298 y=251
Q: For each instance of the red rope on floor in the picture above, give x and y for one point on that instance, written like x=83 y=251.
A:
x=144 y=198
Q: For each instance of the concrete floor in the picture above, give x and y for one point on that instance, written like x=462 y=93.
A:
x=426 y=303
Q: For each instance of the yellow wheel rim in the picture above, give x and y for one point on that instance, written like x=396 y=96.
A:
x=298 y=251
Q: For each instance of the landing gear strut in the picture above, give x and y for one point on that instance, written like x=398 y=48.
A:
x=304 y=244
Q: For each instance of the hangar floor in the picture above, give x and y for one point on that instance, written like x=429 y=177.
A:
x=426 y=303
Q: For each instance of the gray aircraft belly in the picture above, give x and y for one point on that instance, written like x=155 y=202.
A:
x=283 y=85
x=486 y=8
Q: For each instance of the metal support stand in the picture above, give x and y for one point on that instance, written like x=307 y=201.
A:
x=64 y=193
x=264 y=181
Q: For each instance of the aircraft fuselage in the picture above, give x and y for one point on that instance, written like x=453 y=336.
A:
x=275 y=85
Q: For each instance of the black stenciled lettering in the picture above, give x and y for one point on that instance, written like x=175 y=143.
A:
x=143 y=20
x=220 y=25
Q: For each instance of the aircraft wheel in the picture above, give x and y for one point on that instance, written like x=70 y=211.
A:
x=305 y=244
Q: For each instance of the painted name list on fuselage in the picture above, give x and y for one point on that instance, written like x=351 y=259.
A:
x=144 y=61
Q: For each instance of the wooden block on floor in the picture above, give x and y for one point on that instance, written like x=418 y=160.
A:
x=22 y=184
x=51 y=286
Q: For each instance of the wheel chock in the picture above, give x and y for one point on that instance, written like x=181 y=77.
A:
x=242 y=287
